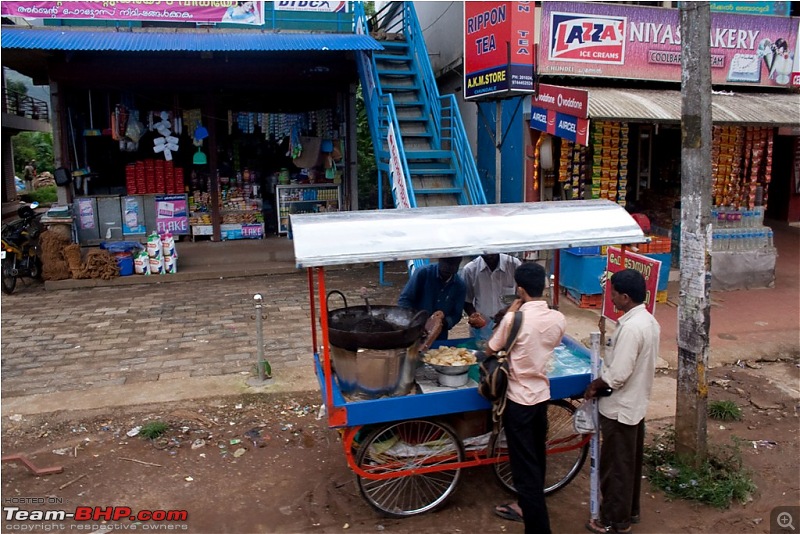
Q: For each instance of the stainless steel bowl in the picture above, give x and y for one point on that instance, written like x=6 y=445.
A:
x=451 y=369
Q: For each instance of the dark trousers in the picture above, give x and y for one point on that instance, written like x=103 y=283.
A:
x=621 y=458
x=526 y=433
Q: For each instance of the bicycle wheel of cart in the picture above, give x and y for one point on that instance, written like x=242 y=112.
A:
x=566 y=450
x=396 y=449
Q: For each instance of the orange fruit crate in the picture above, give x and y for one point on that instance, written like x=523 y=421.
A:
x=582 y=300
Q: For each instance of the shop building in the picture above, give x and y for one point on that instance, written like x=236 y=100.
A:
x=607 y=123
x=217 y=128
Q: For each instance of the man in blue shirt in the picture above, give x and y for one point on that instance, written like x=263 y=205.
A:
x=437 y=289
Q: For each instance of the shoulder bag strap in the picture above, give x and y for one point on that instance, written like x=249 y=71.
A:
x=512 y=336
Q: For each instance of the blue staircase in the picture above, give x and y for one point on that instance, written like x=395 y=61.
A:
x=427 y=160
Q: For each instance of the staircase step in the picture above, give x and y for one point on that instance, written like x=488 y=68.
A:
x=430 y=201
x=443 y=191
x=394 y=45
x=395 y=72
x=429 y=171
x=427 y=154
x=392 y=59
x=399 y=87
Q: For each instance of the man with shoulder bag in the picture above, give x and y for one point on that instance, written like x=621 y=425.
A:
x=525 y=413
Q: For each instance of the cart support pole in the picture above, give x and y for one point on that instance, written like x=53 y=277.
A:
x=594 y=444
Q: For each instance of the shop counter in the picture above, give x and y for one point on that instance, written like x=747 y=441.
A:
x=744 y=269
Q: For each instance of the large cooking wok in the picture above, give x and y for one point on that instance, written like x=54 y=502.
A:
x=374 y=327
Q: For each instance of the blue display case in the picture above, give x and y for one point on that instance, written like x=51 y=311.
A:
x=582 y=273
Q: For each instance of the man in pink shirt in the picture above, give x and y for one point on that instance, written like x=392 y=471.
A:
x=525 y=416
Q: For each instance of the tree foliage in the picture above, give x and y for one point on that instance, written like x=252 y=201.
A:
x=33 y=145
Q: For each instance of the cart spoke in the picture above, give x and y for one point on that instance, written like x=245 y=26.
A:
x=412 y=458
x=566 y=450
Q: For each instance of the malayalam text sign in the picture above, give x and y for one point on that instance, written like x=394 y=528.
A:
x=649 y=268
x=251 y=13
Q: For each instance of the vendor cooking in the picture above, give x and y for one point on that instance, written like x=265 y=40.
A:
x=438 y=289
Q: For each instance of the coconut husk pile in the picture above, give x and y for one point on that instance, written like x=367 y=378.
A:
x=43 y=180
x=100 y=264
x=54 y=264
x=72 y=253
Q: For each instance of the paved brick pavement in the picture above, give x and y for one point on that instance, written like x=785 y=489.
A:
x=78 y=339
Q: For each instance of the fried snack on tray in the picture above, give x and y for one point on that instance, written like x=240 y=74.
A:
x=450 y=356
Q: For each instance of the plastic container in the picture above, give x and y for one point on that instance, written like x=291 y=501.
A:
x=125 y=263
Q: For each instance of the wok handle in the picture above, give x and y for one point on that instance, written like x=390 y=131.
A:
x=328 y=298
x=420 y=313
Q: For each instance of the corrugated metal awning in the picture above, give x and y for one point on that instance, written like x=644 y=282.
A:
x=181 y=41
x=774 y=109
x=404 y=234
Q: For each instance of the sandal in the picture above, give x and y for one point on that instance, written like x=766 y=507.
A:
x=507 y=512
x=597 y=527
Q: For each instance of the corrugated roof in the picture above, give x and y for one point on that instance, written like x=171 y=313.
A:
x=776 y=109
x=149 y=41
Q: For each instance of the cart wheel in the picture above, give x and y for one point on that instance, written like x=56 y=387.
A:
x=400 y=447
x=566 y=450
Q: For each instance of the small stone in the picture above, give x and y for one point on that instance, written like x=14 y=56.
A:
x=239 y=453
x=753 y=365
x=721 y=382
x=765 y=404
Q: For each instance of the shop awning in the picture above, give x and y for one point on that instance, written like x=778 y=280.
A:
x=403 y=234
x=181 y=41
x=650 y=105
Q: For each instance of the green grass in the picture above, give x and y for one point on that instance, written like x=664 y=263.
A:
x=45 y=196
x=153 y=429
x=724 y=410
x=719 y=481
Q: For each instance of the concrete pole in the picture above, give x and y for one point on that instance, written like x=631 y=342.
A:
x=694 y=311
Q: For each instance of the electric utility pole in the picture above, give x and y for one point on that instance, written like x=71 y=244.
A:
x=694 y=310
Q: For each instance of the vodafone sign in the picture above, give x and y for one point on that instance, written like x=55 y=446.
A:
x=563 y=100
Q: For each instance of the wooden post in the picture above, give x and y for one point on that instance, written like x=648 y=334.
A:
x=695 y=239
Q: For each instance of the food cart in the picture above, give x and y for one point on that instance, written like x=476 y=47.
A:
x=401 y=444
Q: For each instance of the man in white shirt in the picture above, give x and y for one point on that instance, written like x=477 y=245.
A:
x=628 y=371
x=489 y=279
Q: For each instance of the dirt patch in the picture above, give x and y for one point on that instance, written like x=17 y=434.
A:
x=268 y=464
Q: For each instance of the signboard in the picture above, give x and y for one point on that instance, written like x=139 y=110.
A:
x=562 y=99
x=796 y=68
x=311 y=5
x=752 y=7
x=565 y=126
x=172 y=214
x=647 y=266
x=499 y=53
x=621 y=41
x=396 y=169
x=86 y=213
x=251 y=13
x=132 y=216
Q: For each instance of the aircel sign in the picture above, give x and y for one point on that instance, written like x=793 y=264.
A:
x=561 y=111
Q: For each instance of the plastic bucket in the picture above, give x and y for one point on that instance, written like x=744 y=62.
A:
x=125 y=263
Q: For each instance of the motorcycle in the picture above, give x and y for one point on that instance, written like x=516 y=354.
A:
x=19 y=255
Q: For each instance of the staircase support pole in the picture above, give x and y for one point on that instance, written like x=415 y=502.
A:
x=498 y=162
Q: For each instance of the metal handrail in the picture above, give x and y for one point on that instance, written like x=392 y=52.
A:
x=462 y=153
x=23 y=105
x=416 y=39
